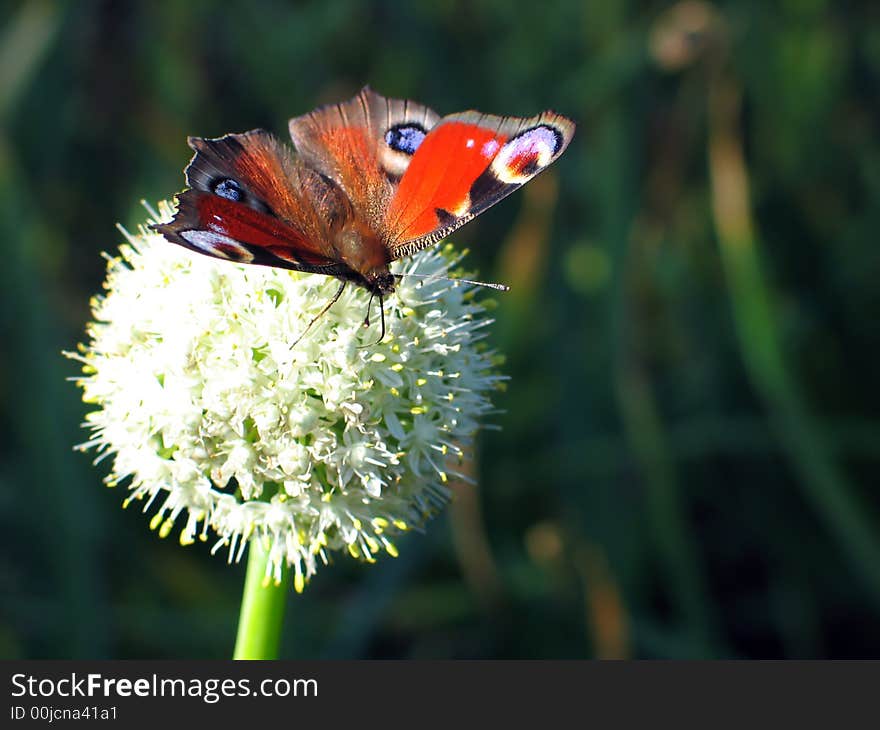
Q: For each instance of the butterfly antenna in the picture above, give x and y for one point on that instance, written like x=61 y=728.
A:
x=435 y=277
x=320 y=314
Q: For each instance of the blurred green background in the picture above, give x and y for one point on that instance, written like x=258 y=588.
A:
x=688 y=459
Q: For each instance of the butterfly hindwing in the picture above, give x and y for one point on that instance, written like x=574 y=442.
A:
x=364 y=145
x=467 y=163
x=250 y=202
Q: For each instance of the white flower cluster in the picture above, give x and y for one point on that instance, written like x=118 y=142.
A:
x=211 y=416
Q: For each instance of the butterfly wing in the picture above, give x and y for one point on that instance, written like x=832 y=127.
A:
x=250 y=201
x=464 y=165
x=364 y=145
x=391 y=165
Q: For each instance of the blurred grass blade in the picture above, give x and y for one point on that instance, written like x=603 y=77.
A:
x=824 y=485
x=23 y=44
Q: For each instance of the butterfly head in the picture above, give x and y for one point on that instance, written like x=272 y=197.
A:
x=381 y=283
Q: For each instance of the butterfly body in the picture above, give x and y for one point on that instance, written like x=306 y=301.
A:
x=372 y=180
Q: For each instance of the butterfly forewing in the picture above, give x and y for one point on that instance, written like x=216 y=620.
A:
x=466 y=164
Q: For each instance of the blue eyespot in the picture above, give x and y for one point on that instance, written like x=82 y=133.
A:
x=228 y=188
x=405 y=138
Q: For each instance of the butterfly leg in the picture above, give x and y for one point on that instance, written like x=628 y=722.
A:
x=320 y=314
x=381 y=319
x=369 y=305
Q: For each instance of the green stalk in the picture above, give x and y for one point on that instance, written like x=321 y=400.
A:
x=262 y=609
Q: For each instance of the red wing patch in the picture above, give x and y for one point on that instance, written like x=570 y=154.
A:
x=440 y=176
x=226 y=229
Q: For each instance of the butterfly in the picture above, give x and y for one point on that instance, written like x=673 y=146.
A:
x=372 y=180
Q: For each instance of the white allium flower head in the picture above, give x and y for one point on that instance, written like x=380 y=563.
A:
x=216 y=422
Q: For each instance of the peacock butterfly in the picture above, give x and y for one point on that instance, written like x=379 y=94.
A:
x=372 y=180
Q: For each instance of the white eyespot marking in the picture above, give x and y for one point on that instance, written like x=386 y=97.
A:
x=462 y=207
x=394 y=163
x=216 y=244
x=470 y=143
x=490 y=148
x=526 y=155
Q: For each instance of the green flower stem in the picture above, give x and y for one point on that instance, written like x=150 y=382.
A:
x=262 y=609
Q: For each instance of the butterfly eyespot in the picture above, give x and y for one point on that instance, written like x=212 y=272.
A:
x=527 y=154
x=228 y=188
x=405 y=138
x=547 y=135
